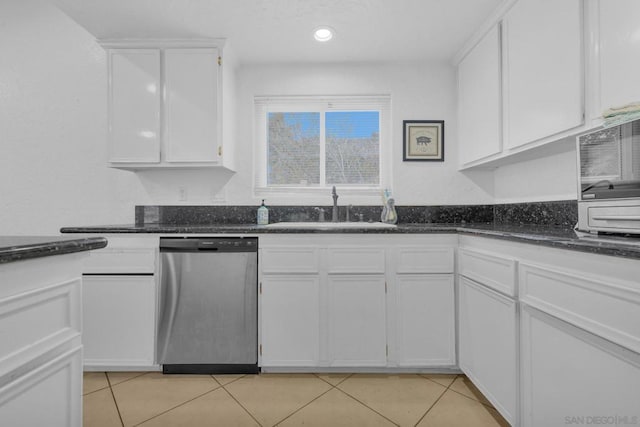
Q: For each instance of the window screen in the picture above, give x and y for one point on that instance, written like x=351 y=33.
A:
x=293 y=156
x=352 y=147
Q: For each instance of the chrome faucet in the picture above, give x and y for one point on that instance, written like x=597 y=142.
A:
x=334 y=214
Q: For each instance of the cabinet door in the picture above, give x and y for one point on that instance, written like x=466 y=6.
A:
x=542 y=69
x=619 y=52
x=290 y=319
x=47 y=395
x=357 y=320
x=134 y=105
x=479 y=100
x=119 y=321
x=425 y=320
x=570 y=376
x=488 y=344
x=191 y=109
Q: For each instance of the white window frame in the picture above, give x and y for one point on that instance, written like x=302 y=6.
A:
x=278 y=104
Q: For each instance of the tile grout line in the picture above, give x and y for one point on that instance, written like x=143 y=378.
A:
x=182 y=404
x=437 y=400
x=367 y=406
x=115 y=402
x=305 y=405
x=230 y=382
x=238 y=402
x=336 y=384
x=332 y=386
x=95 y=391
x=488 y=404
x=419 y=375
x=140 y=374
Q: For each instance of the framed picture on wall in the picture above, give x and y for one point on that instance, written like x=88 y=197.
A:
x=423 y=140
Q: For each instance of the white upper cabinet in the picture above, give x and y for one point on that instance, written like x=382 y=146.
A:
x=166 y=104
x=191 y=111
x=543 y=70
x=521 y=82
x=618 y=26
x=134 y=105
x=479 y=103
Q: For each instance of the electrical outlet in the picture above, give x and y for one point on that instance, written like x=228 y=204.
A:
x=182 y=194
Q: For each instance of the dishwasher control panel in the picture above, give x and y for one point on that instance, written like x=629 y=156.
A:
x=214 y=244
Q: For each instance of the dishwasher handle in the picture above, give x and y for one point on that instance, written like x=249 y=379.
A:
x=209 y=244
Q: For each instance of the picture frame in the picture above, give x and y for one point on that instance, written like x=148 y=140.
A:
x=423 y=140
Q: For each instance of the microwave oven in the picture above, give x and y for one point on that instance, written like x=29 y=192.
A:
x=609 y=179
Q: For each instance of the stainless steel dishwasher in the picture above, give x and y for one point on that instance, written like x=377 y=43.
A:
x=208 y=305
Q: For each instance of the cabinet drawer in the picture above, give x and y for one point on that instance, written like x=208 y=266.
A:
x=121 y=260
x=494 y=271
x=36 y=321
x=290 y=260
x=602 y=306
x=619 y=217
x=420 y=259
x=365 y=260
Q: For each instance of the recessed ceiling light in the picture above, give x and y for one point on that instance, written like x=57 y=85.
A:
x=323 y=34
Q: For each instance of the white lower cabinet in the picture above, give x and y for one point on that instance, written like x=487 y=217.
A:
x=40 y=346
x=290 y=320
x=580 y=340
x=119 y=305
x=357 y=301
x=357 y=320
x=50 y=395
x=488 y=344
x=425 y=324
x=119 y=321
x=550 y=336
x=487 y=328
x=572 y=377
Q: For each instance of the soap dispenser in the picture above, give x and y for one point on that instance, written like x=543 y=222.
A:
x=263 y=214
x=389 y=215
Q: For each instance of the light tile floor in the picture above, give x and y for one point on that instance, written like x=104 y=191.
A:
x=155 y=400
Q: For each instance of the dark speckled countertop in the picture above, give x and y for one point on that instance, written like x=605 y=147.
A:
x=17 y=248
x=545 y=235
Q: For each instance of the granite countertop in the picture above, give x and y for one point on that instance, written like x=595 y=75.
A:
x=17 y=248
x=558 y=237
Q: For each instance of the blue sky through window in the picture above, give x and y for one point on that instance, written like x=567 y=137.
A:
x=308 y=123
x=352 y=124
x=339 y=124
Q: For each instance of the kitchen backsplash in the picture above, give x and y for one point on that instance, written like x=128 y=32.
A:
x=557 y=213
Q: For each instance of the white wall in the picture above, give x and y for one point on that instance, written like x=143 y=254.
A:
x=53 y=126
x=418 y=91
x=552 y=177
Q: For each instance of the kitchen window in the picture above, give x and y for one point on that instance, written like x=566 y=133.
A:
x=306 y=145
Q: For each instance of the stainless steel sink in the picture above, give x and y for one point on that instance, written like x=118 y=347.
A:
x=331 y=225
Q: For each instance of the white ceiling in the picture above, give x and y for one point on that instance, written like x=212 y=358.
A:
x=276 y=31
